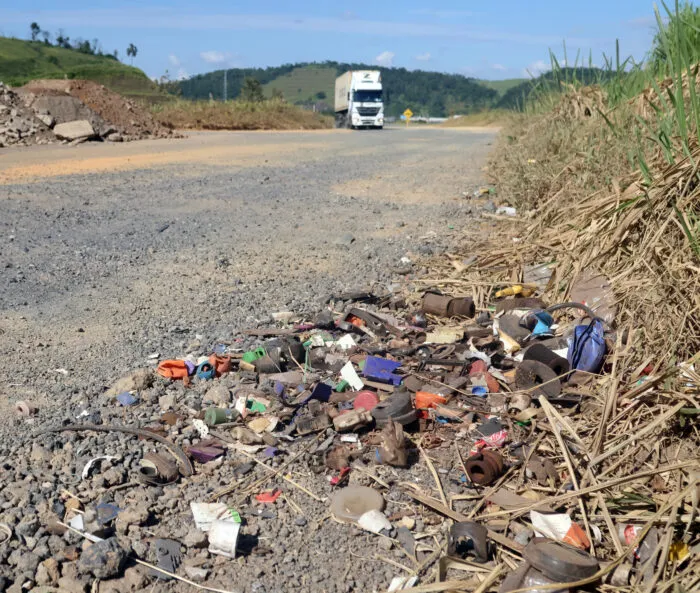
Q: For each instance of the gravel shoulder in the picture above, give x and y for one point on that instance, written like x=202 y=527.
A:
x=113 y=253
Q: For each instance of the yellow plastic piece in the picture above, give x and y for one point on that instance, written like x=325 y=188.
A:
x=516 y=290
x=678 y=551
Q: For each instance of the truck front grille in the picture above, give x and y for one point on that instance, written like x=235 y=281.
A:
x=368 y=111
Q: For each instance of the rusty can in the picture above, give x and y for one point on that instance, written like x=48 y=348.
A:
x=463 y=307
x=436 y=304
x=484 y=468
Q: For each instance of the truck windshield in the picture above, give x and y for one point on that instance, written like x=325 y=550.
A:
x=367 y=96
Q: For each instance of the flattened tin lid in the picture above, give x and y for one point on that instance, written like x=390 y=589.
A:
x=560 y=562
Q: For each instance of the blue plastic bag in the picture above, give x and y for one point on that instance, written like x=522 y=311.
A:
x=587 y=347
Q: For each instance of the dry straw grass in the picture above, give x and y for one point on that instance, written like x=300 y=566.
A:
x=238 y=115
x=583 y=206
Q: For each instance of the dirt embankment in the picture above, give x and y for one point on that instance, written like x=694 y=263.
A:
x=46 y=111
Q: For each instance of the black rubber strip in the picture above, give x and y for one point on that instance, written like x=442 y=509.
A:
x=537 y=378
x=542 y=354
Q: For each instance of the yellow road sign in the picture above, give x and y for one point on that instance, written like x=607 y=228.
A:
x=408 y=114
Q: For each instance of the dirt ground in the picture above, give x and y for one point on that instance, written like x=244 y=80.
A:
x=116 y=254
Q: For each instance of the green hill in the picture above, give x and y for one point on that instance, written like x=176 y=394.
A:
x=22 y=61
x=426 y=93
x=306 y=84
x=502 y=86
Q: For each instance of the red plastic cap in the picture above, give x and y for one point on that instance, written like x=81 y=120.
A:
x=366 y=400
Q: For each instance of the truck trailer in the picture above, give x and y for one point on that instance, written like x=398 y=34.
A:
x=358 y=100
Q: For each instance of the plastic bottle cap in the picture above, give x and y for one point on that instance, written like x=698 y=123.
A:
x=366 y=399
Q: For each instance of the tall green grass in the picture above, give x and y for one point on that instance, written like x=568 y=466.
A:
x=668 y=123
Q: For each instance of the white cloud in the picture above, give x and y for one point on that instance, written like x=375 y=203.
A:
x=386 y=58
x=174 y=60
x=537 y=68
x=182 y=74
x=499 y=67
x=424 y=57
x=214 y=57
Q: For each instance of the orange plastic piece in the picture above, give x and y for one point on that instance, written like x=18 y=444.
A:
x=426 y=400
x=222 y=364
x=577 y=537
x=172 y=369
x=268 y=497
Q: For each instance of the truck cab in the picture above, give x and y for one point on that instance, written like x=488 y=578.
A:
x=358 y=100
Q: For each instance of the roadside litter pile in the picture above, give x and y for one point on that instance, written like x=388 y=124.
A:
x=46 y=111
x=472 y=442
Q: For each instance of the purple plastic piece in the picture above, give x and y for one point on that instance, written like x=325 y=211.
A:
x=205 y=454
x=279 y=388
x=271 y=451
x=191 y=367
x=321 y=392
x=381 y=369
x=126 y=399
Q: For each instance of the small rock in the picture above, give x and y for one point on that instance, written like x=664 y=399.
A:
x=114 y=476
x=218 y=395
x=136 y=514
x=385 y=543
x=489 y=207
x=300 y=521
x=134 y=578
x=103 y=559
x=195 y=573
x=167 y=401
x=47 y=572
x=136 y=381
x=47 y=120
x=71 y=584
x=195 y=539
x=345 y=240
x=27 y=527
x=24 y=561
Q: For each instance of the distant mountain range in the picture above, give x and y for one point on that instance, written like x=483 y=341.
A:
x=433 y=94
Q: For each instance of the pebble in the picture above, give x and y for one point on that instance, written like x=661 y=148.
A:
x=103 y=559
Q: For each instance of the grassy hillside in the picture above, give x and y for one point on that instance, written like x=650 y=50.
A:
x=426 y=93
x=309 y=84
x=22 y=61
x=502 y=86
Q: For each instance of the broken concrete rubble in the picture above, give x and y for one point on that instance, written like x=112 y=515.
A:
x=74 y=130
x=47 y=111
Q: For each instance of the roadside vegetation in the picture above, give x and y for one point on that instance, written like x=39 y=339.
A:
x=263 y=114
x=606 y=176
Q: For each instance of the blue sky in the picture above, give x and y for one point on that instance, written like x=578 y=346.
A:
x=494 y=40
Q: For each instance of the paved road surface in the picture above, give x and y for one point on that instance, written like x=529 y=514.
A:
x=111 y=253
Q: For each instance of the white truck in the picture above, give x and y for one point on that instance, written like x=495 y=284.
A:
x=358 y=100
